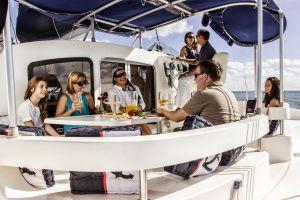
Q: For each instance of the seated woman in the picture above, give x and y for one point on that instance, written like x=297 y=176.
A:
x=272 y=93
x=122 y=84
x=69 y=104
x=32 y=112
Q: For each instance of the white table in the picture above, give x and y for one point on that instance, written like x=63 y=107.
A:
x=99 y=120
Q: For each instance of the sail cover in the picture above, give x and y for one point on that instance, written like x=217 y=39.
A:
x=49 y=19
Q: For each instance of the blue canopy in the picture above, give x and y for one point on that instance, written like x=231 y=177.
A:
x=49 y=19
x=243 y=31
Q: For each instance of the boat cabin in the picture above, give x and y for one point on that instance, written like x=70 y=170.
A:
x=56 y=59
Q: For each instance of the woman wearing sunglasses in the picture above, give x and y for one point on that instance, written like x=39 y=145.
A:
x=189 y=51
x=122 y=84
x=186 y=84
x=76 y=101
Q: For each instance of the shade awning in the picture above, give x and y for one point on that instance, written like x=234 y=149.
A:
x=49 y=19
x=243 y=31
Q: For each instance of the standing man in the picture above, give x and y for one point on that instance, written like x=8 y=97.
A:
x=212 y=101
x=207 y=51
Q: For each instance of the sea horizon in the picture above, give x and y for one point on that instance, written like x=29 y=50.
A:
x=290 y=96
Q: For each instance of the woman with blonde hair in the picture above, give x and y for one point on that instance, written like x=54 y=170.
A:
x=76 y=101
x=33 y=110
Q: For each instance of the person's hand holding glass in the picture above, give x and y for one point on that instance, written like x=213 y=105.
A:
x=166 y=100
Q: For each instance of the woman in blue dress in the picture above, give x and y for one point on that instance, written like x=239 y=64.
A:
x=76 y=101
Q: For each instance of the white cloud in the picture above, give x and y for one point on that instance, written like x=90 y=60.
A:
x=177 y=27
x=237 y=71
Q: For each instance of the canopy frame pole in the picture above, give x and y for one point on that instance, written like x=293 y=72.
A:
x=259 y=55
x=93 y=29
x=281 y=55
x=140 y=40
x=135 y=40
x=255 y=70
x=10 y=79
x=97 y=10
x=143 y=185
x=86 y=34
x=281 y=59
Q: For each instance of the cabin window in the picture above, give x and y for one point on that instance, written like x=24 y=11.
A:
x=56 y=73
x=144 y=78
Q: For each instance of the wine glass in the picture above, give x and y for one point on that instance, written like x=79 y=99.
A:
x=163 y=98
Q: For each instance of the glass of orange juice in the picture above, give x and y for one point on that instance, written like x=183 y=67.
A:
x=131 y=100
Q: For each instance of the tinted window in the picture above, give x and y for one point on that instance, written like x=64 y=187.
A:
x=56 y=73
x=143 y=77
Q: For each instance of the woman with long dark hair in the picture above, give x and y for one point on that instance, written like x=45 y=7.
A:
x=122 y=84
x=272 y=99
x=272 y=92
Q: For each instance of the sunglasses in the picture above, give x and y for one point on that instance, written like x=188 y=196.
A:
x=198 y=74
x=82 y=83
x=120 y=75
x=192 y=37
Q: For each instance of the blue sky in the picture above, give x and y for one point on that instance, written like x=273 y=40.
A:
x=241 y=58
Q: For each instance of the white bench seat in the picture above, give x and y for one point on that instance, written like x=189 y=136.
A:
x=252 y=169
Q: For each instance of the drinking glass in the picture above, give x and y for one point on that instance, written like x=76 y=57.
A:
x=171 y=95
x=78 y=99
x=163 y=98
x=131 y=101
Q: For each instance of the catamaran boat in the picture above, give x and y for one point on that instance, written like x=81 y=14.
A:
x=45 y=30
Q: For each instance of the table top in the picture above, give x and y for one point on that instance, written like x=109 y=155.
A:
x=100 y=120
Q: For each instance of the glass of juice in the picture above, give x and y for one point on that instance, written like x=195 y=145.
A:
x=163 y=98
x=131 y=100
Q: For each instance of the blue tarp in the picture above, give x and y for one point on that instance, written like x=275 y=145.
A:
x=128 y=17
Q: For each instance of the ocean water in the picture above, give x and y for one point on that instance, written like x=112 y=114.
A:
x=291 y=97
